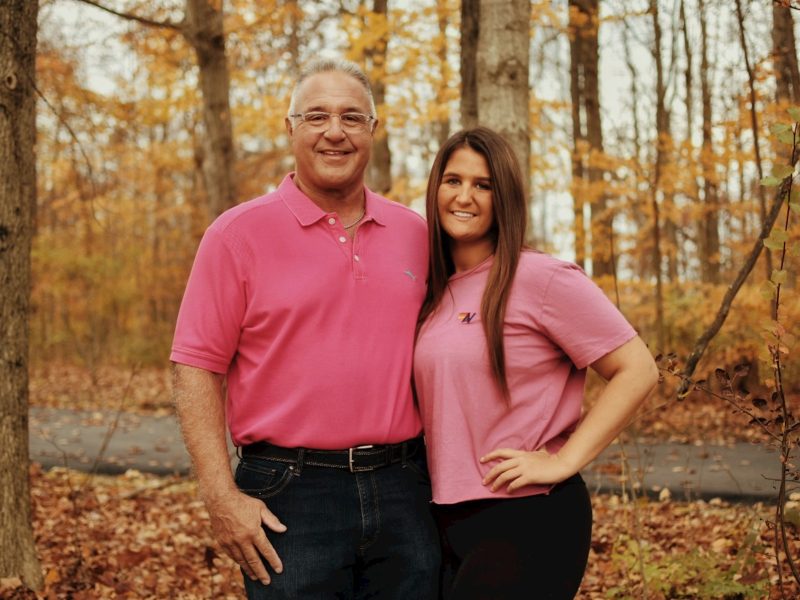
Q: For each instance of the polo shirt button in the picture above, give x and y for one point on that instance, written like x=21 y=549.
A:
x=356 y=258
x=342 y=239
x=332 y=221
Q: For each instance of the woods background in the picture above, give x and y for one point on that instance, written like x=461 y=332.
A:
x=646 y=149
x=660 y=138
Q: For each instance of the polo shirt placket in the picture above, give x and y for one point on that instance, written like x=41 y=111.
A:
x=350 y=246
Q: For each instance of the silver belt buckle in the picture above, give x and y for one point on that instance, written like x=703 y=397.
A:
x=350 y=455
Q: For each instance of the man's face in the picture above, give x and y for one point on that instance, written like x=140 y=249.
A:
x=330 y=159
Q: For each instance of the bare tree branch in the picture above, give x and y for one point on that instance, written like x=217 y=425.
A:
x=727 y=301
x=132 y=17
x=786 y=4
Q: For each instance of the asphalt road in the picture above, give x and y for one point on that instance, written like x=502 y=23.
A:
x=112 y=443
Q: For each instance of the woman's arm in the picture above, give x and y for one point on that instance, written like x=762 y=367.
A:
x=631 y=373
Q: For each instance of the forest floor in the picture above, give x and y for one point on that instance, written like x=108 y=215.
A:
x=139 y=535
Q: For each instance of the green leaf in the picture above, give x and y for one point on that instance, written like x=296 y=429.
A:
x=767 y=291
x=771 y=181
x=777 y=128
x=777 y=238
x=768 y=324
x=779 y=276
x=795 y=206
x=794 y=113
x=785 y=137
x=782 y=171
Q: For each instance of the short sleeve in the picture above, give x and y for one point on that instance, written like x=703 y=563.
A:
x=579 y=318
x=210 y=317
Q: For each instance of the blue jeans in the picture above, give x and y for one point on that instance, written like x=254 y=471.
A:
x=349 y=535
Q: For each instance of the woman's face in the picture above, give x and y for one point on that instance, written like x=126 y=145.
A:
x=465 y=198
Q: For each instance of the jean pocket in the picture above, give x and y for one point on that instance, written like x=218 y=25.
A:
x=263 y=478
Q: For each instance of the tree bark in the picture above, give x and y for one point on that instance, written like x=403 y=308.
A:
x=470 y=27
x=578 y=135
x=662 y=132
x=709 y=224
x=379 y=175
x=18 y=29
x=203 y=29
x=503 y=65
x=787 y=74
x=441 y=127
x=588 y=136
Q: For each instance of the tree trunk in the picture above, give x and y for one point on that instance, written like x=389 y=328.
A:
x=588 y=133
x=470 y=20
x=379 y=175
x=203 y=29
x=17 y=208
x=643 y=263
x=441 y=127
x=576 y=46
x=662 y=131
x=709 y=224
x=503 y=65
x=294 y=21
x=787 y=74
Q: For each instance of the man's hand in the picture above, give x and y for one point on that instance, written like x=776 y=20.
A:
x=519 y=468
x=236 y=520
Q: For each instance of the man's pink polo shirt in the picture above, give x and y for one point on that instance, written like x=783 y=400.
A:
x=314 y=331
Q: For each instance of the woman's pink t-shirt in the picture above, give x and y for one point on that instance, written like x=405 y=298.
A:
x=557 y=323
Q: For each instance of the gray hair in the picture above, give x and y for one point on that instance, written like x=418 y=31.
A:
x=328 y=65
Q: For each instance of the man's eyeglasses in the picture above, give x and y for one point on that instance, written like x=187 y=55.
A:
x=349 y=121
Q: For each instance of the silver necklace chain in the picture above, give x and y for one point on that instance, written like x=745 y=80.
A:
x=357 y=221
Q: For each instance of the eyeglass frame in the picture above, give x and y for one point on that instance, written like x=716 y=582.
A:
x=368 y=125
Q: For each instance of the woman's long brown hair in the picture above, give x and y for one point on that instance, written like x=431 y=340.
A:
x=510 y=219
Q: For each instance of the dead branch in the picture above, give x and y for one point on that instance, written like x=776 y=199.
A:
x=132 y=17
x=722 y=314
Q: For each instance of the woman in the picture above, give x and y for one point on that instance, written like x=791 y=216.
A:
x=503 y=341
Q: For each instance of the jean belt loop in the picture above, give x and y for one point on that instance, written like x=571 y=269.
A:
x=404 y=453
x=301 y=455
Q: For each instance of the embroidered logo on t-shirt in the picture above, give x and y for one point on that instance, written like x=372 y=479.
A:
x=410 y=274
x=466 y=317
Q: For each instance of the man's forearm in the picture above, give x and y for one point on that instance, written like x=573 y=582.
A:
x=201 y=410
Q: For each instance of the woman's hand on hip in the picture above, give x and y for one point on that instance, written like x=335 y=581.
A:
x=518 y=468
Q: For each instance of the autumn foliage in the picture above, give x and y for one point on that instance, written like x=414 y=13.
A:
x=661 y=195
x=122 y=201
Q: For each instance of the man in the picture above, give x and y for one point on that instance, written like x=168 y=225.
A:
x=306 y=300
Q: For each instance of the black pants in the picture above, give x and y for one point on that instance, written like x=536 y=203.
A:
x=518 y=548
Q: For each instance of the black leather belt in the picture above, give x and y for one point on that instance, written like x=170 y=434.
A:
x=356 y=459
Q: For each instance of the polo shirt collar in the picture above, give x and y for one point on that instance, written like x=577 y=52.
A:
x=307 y=213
